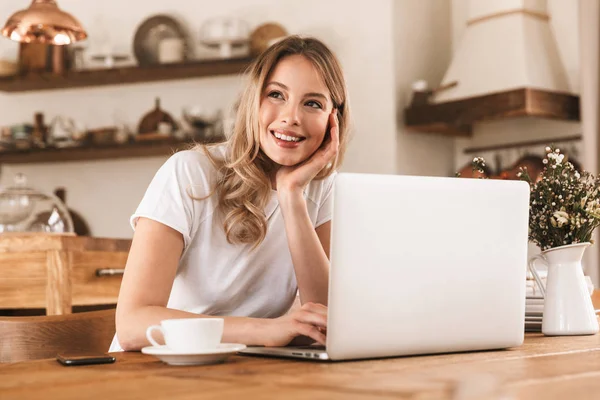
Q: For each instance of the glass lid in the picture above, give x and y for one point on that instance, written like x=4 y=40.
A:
x=24 y=209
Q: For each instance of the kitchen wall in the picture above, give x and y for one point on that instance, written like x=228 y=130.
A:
x=423 y=47
x=107 y=192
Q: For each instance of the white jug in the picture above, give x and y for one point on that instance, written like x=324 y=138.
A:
x=568 y=308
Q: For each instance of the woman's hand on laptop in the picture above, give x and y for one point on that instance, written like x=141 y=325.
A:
x=309 y=320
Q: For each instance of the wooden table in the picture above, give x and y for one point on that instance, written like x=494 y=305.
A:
x=543 y=368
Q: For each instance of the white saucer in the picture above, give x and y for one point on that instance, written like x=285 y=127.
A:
x=210 y=356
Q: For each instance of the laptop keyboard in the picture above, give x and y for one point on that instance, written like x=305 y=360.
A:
x=311 y=347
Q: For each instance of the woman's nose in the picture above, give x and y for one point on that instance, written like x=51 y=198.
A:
x=290 y=114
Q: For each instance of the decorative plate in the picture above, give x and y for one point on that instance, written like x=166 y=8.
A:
x=151 y=32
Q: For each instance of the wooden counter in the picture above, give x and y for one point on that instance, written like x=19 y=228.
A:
x=56 y=272
x=543 y=368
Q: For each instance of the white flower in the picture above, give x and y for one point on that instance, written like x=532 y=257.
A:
x=562 y=218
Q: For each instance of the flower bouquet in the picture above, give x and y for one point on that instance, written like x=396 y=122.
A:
x=564 y=203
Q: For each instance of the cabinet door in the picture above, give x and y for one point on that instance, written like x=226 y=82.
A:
x=23 y=280
x=90 y=285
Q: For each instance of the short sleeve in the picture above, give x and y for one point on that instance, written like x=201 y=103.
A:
x=326 y=202
x=168 y=198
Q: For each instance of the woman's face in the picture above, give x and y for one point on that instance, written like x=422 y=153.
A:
x=294 y=111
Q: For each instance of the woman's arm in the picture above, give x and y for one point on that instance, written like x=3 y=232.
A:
x=146 y=286
x=309 y=248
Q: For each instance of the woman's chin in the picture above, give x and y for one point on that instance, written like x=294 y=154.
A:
x=287 y=163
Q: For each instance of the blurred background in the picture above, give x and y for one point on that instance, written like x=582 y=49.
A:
x=432 y=83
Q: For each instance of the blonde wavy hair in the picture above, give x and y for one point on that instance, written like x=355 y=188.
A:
x=243 y=184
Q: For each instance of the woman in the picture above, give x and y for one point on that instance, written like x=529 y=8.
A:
x=237 y=229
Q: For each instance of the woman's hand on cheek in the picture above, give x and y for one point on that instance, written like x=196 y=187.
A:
x=297 y=177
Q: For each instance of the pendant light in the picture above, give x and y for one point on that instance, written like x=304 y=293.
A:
x=43 y=22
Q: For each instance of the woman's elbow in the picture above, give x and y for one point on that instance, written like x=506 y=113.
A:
x=126 y=334
x=126 y=340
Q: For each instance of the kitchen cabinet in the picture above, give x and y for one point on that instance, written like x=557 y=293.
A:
x=58 y=271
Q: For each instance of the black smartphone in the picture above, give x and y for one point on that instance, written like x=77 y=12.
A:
x=84 y=359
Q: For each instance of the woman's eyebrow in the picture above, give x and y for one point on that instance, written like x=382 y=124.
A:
x=315 y=94
x=311 y=94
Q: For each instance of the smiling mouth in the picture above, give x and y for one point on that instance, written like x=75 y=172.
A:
x=286 y=138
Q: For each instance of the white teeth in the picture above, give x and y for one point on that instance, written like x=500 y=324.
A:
x=285 y=137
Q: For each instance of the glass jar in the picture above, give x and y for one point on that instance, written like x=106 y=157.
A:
x=24 y=209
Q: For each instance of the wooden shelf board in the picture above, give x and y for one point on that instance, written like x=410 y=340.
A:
x=456 y=118
x=125 y=75
x=128 y=150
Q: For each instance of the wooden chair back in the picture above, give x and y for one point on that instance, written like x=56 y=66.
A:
x=33 y=338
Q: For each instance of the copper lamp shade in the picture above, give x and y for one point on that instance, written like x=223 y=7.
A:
x=43 y=22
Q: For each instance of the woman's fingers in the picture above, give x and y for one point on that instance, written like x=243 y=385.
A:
x=334 y=125
x=315 y=308
x=312 y=332
x=331 y=150
x=310 y=321
x=307 y=317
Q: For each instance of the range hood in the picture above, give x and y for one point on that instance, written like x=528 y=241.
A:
x=506 y=65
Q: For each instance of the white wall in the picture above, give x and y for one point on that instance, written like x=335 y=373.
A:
x=422 y=44
x=107 y=192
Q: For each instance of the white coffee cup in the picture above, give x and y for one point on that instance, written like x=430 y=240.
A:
x=189 y=334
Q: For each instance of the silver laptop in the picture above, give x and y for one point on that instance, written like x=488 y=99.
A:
x=423 y=265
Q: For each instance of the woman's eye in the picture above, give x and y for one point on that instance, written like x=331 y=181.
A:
x=314 y=104
x=275 y=95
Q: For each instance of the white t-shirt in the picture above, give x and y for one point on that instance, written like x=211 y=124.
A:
x=215 y=277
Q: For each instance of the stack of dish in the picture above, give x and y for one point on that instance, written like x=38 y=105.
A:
x=534 y=311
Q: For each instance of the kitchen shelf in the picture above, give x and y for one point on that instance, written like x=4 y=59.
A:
x=85 y=153
x=456 y=118
x=125 y=75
